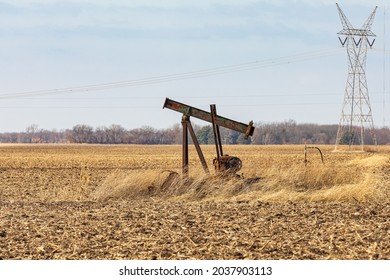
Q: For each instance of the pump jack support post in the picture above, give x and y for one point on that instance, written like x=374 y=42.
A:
x=217 y=135
x=187 y=127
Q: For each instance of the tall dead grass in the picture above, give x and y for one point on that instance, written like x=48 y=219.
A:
x=359 y=179
x=125 y=185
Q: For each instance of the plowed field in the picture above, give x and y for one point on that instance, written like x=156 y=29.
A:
x=105 y=202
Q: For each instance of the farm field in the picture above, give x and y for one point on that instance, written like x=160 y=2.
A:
x=107 y=202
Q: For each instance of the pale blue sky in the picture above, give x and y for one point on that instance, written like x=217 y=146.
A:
x=49 y=45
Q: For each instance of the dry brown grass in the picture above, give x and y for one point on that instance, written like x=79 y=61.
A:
x=83 y=173
x=282 y=176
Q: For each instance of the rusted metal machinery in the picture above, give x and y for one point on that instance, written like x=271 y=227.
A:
x=222 y=163
x=305 y=153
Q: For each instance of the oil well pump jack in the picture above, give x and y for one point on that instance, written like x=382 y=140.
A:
x=224 y=164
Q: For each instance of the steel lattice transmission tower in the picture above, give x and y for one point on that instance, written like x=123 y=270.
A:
x=356 y=115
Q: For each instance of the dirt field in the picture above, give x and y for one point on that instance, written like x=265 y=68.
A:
x=104 y=202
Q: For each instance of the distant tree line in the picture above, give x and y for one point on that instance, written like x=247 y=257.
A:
x=288 y=132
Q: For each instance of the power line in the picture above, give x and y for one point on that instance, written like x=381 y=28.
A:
x=187 y=97
x=258 y=64
x=257 y=95
x=154 y=107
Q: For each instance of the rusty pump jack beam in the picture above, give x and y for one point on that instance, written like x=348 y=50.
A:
x=214 y=119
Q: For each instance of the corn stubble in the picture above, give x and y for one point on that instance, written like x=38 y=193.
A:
x=130 y=202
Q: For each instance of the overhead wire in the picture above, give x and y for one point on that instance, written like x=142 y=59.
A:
x=187 y=96
x=257 y=95
x=267 y=104
x=178 y=76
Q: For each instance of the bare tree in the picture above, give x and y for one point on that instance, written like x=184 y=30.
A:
x=32 y=134
x=82 y=133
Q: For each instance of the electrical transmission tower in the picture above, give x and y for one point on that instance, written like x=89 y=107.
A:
x=356 y=113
